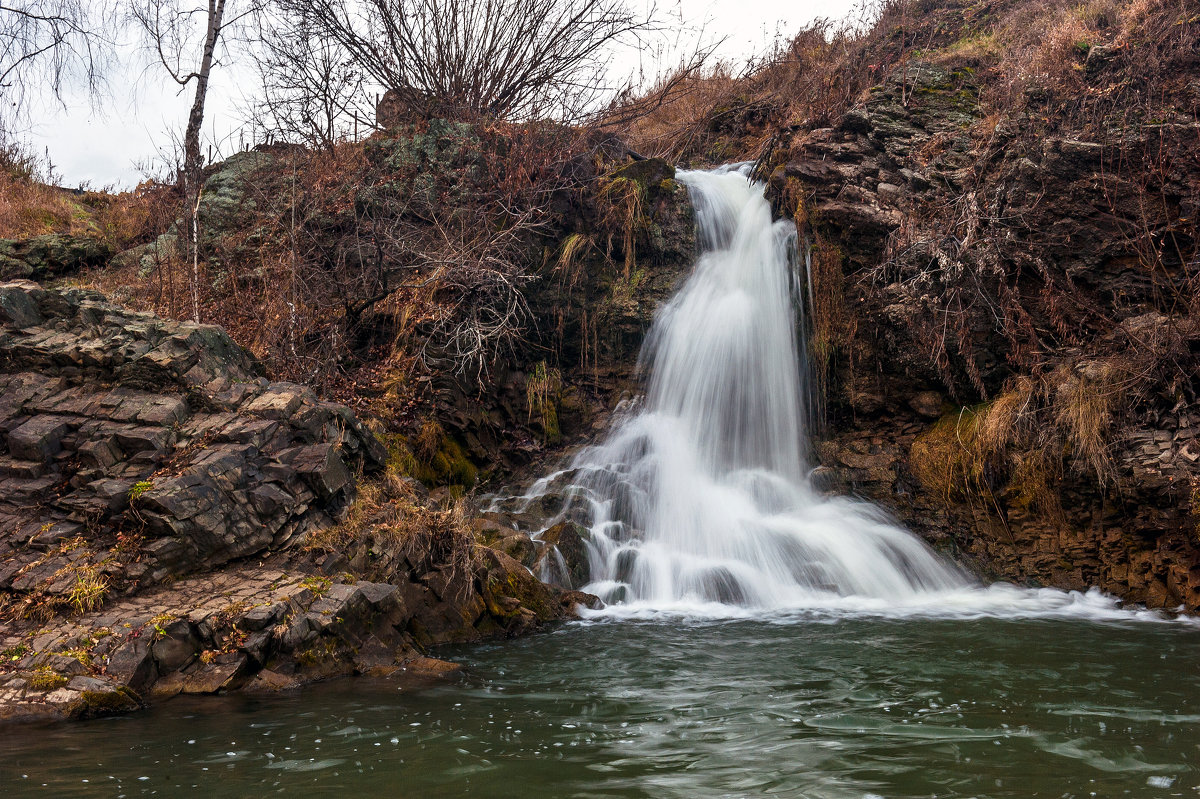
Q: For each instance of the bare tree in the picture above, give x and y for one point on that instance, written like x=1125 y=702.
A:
x=311 y=86
x=507 y=59
x=49 y=44
x=187 y=39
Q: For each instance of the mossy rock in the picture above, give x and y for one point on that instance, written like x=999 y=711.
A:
x=449 y=465
x=102 y=703
x=45 y=679
x=652 y=175
x=226 y=201
x=508 y=578
x=52 y=255
x=439 y=164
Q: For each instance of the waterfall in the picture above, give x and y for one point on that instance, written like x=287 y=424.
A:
x=699 y=501
x=700 y=494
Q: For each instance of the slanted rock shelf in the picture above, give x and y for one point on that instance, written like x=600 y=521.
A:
x=139 y=451
x=159 y=429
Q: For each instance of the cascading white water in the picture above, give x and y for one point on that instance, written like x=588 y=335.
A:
x=701 y=495
x=699 y=500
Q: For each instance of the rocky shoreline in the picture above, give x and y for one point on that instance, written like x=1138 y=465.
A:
x=156 y=501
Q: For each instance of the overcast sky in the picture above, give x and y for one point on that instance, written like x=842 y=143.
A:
x=106 y=147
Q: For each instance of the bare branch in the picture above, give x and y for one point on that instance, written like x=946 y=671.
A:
x=50 y=44
x=507 y=59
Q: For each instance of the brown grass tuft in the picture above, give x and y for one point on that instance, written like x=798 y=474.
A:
x=1084 y=400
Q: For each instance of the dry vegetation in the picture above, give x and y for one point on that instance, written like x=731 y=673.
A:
x=390 y=527
x=1020 y=442
x=29 y=206
x=1018 y=49
x=409 y=251
x=727 y=112
x=1116 y=74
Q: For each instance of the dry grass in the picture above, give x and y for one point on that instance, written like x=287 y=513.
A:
x=621 y=204
x=729 y=112
x=1017 y=49
x=993 y=454
x=692 y=107
x=397 y=531
x=1038 y=52
x=1021 y=443
x=958 y=458
x=543 y=392
x=428 y=440
x=1084 y=402
x=571 y=255
x=129 y=218
x=30 y=207
x=366 y=510
x=89 y=590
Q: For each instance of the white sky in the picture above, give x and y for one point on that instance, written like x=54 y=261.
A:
x=105 y=147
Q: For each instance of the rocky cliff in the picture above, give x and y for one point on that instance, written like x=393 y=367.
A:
x=172 y=522
x=1003 y=328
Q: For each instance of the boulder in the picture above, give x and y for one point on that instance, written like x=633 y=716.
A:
x=569 y=539
x=52 y=255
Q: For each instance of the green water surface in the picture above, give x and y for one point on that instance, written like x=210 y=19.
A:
x=834 y=707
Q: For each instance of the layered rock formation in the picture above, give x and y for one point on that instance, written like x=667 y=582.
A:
x=160 y=430
x=139 y=451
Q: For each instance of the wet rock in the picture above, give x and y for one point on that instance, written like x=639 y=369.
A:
x=431 y=667
x=133 y=664
x=570 y=601
x=176 y=648
x=506 y=577
x=209 y=678
x=569 y=540
x=518 y=546
x=649 y=173
x=267 y=681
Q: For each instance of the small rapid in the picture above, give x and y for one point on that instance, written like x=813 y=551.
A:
x=699 y=501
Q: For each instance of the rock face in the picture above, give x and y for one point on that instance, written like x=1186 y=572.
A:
x=592 y=310
x=258 y=628
x=1142 y=548
x=43 y=257
x=157 y=430
x=155 y=494
x=955 y=272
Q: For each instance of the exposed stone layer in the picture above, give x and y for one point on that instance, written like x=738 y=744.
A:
x=158 y=433
x=154 y=496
